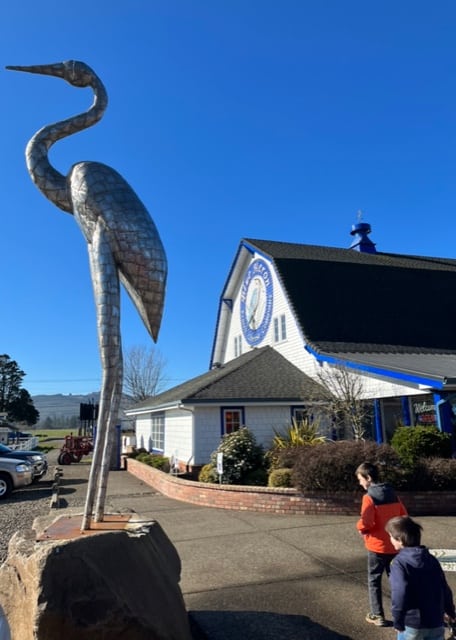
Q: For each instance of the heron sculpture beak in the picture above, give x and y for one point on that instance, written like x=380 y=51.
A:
x=57 y=69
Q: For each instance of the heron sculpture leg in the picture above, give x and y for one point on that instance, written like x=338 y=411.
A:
x=107 y=302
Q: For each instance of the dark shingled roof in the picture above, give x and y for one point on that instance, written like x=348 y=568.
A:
x=345 y=300
x=375 y=308
x=260 y=375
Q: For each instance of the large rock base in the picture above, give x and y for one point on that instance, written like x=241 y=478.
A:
x=112 y=585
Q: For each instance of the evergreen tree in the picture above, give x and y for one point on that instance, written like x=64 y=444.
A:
x=22 y=409
x=15 y=401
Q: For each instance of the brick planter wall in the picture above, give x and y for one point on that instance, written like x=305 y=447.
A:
x=278 y=500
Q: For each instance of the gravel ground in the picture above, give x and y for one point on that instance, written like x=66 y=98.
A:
x=19 y=510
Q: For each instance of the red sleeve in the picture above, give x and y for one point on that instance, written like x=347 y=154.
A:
x=367 y=520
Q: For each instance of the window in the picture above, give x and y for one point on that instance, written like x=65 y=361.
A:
x=283 y=326
x=299 y=413
x=237 y=346
x=280 y=328
x=157 y=432
x=276 y=330
x=232 y=419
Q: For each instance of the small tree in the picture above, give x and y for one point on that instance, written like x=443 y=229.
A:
x=143 y=372
x=342 y=402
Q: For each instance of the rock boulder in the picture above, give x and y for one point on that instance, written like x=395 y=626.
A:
x=112 y=585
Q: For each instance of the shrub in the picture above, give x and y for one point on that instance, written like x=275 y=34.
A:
x=412 y=443
x=256 y=478
x=331 y=466
x=432 y=474
x=299 y=433
x=280 y=478
x=134 y=453
x=241 y=454
x=282 y=458
x=153 y=460
x=208 y=473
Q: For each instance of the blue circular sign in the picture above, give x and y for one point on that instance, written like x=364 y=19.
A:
x=256 y=302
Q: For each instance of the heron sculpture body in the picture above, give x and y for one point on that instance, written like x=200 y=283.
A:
x=123 y=245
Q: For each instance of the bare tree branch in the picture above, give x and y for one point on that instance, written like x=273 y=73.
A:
x=144 y=369
x=344 y=403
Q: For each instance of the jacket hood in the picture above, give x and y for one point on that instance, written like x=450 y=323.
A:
x=382 y=493
x=417 y=557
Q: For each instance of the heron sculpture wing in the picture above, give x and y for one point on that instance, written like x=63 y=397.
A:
x=101 y=196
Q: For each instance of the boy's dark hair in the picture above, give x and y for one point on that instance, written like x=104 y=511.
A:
x=405 y=530
x=367 y=469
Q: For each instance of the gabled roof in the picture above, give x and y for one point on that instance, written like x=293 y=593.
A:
x=374 y=309
x=260 y=375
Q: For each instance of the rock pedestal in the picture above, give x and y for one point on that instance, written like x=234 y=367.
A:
x=105 y=585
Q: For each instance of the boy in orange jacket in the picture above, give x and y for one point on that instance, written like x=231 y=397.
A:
x=380 y=503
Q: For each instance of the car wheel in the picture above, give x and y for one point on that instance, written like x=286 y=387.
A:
x=6 y=486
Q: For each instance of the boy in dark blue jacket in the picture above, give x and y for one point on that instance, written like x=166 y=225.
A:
x=420 y=595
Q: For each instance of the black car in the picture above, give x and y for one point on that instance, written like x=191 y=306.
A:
x=37 y=459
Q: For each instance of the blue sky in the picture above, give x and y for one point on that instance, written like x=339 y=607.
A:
x=230 y=119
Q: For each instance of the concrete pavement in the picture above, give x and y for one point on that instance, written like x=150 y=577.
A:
x=257 y=576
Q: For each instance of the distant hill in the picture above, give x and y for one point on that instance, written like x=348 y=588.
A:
x=62 y=408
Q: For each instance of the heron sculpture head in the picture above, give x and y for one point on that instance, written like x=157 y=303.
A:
x=76 y=73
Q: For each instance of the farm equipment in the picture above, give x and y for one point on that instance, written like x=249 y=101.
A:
x=74 y=448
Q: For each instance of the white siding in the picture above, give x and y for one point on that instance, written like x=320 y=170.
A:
x=142 y=430
x=207 y=433
x=178 y=435
x=260 y=420
x=293 y=347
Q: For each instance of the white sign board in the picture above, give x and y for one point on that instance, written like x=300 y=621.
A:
x=220 y=463
x=446 y=557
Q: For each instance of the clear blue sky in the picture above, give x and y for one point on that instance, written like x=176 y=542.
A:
x=230 y=119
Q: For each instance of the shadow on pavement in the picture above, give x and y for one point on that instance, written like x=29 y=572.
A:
x=257 y=625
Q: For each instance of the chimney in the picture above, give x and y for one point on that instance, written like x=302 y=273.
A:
x=361 y=242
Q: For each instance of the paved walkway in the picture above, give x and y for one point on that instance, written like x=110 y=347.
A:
x=261 y=577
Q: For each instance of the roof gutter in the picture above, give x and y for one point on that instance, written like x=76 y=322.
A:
x=403 y=376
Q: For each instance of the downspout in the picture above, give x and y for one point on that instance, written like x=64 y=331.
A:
x=406 y=418
x=192 y=457
x=378 y=422
x=443 y=413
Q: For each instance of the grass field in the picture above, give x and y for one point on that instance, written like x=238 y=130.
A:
x=54 y=434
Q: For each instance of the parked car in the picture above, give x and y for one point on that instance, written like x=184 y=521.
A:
x=14 y=473
x=37 y=459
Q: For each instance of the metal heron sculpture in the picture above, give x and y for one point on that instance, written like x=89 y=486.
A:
x=123 y=245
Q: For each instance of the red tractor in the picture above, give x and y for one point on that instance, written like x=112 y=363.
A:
x=74 y=448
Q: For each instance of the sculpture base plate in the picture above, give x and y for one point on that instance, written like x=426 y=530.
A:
x=69 y=527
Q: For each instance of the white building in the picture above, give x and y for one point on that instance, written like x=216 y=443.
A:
x=287 y=310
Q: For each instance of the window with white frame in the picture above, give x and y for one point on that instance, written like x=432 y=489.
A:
x=157 y=432
x=237 y=346
x=280 y=328
x=232 y=419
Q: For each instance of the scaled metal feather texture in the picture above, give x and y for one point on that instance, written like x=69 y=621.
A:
x=123 y=244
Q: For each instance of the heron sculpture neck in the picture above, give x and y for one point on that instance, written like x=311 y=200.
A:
x=48 y=180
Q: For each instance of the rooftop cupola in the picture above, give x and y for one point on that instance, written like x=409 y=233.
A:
x=361 y=242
